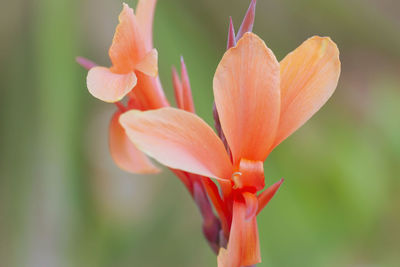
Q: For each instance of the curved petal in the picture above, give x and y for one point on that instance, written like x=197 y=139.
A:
x=145 y=15
x=127 y=47
x=124 y=152
x=149 y=64
x=265 y=197
x=246 y=90
x=309 y=76
x=243 y=245
x=108 y=86
x=179 y=140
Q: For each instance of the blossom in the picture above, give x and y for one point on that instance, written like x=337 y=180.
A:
x=131 y=77
x=260 y=102
x=131 y=51
x=134 y=64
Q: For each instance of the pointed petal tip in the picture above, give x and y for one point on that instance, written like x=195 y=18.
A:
x=186 y=88
x=86 y=63
x=177 y=84
x=183 y=66
x=145 y=14
x=231 y=34
x=265 y=197
x=248 y=20
x=173 y=70
x=125 y=5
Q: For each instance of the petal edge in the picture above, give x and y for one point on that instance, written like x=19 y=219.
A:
x=108 y=86
x=247 y=97
x=179 y=140
x=124 y=152
x=309 y=76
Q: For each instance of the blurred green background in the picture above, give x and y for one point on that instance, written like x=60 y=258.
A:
x=63 y=202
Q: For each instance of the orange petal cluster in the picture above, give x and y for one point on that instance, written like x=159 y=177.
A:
x=134 y=66
x=133 y=79
x=259 y=102
x=130 y=52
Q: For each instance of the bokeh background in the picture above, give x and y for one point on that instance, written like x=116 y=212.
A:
x=63 y=202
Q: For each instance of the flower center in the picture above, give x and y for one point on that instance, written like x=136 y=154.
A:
x=249 y=176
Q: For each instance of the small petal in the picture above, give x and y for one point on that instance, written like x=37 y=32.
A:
x=186 y=88
x=127 y=47
x=231 y=35
x=86 y=63
x=177 y=89
x=309 y=76
x=149 y=64
x=179 y=140
x=247 y=97
x=248 y=20
x=124 y=152
x=267 y=195
x=219 y=205
x=108 y=86
x=145 y=15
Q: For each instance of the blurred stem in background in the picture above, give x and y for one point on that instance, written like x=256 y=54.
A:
x=41 y=143
x=60 y=114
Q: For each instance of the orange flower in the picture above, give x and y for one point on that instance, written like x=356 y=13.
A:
x=131 y=51
x=134 y=59
x=134 y=64
x=260 y=102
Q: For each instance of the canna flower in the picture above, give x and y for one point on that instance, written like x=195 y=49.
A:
x=133 y=77
x=260 y=102
x=130 y=52
x=134 y=65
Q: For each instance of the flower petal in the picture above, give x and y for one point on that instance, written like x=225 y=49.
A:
x=243 y=244
x=248 y=20
x=108 y=86
x=223 y=258
x=309 y=76
x=145 y=15
x=246 y=90
x=186 y=88
x=124 y=152
x=179 y=140
x=127 y=47
x=150 y=92
x=149 y=64
x=178 y=91
x=265 y=197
